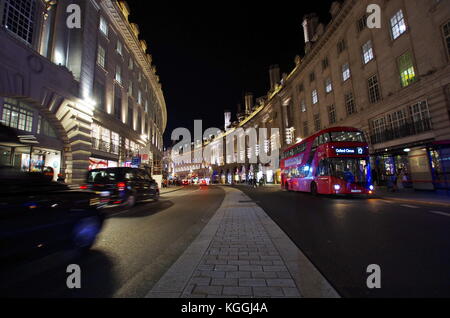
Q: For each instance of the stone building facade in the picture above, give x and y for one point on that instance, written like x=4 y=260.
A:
x=80 y=98
x=392 y=82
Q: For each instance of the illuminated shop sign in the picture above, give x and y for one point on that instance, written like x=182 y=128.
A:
x=350 y=151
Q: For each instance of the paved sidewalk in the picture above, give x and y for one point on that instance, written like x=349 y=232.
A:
x=242 y=253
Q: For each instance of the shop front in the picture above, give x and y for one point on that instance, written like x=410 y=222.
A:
x=419 y=167
x=32 y=159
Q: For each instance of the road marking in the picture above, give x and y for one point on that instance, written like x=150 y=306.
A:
x=440 y=213
x=410 y=206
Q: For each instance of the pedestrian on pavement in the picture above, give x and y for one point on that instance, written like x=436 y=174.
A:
x=400 y=179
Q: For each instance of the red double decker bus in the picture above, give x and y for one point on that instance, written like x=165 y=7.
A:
x=333 y=161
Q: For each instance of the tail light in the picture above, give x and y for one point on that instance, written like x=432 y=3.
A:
x=83 y=187
x=121 y=186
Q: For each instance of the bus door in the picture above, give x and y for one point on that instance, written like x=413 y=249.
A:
x=309 y=168
x=323 y=176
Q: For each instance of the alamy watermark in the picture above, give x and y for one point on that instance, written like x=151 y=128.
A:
x=215 y=147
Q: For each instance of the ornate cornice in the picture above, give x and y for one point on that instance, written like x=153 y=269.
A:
x=128 y=32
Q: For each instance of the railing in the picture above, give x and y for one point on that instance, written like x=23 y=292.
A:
x=408 y=129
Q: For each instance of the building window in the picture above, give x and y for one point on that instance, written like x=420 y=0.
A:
x=303 y=106
x=119 y=47
x=130 y=89
x=305 y=129
x=405 y=122
x=118 y=74
x=115 y=143
x=131 y=64
x=101 y=56
x=420 y=116
x=315 y=97
x=130 y=114
x=446 y=29
x=332 y=114
x=328 y=85
x=17 y=116
x=301 y=88
x=406 y=69
x=317 y=122
x=367 y=52
x=325 y=63
x=374 y=89
x=346 y=72
x=362 y=23
x=341 y=46
x=103 y=26
x=350 y=104
x=146 y=106
x=44 y=128
x=398 y=25
x=99 y=94
x=139 y=98
x=312 y=77
x=18 y=18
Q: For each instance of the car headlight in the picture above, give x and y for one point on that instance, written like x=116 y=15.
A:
x=371 y=188
x=337 y=187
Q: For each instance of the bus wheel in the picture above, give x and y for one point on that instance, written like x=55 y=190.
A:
x=314 y=189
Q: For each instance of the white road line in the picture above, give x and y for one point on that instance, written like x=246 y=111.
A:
x=440 y=213
x=410 y=206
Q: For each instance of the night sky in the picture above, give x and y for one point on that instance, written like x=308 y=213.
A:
x=208 y=56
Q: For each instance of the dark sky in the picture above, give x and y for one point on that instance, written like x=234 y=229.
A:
x=208 y=56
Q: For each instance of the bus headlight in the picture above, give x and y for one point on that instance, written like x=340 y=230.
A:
x=337 y=187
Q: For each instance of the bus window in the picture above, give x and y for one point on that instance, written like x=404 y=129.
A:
x=316 y=143
x=323 y=169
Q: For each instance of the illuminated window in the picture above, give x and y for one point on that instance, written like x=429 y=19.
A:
x=303 y=106
x=406 y=69
x=346 y=72
x=18 y=18
x=18 y=116
x=315 y=97
x=103 y=26
x=398 y=25
x=118 y=74
x=119 y=48
x=367 y=52
x=328 y=85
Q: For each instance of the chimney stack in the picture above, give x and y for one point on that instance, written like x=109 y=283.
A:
x=275 y=78
x=240 y=115
x=310 y=23
x=248 y=103
x=227 y=120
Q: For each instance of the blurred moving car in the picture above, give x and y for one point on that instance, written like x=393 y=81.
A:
x=185 y=182
x=39 y=216
x=122 y=186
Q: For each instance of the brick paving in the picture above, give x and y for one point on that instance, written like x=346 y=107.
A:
x=241 y=261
